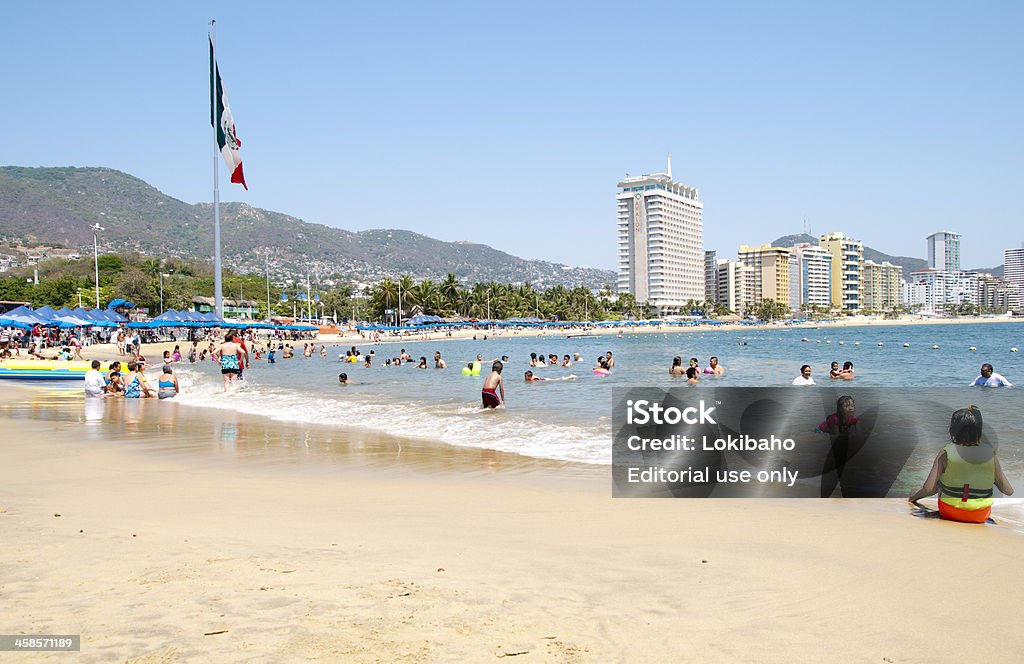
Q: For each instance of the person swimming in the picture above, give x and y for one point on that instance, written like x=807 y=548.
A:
x=714 y=367
x=676 y=370
x=343 y=379
x=843 y=419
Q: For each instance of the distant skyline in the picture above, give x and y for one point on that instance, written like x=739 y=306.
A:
x=510 y=125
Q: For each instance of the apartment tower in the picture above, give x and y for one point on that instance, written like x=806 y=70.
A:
x=661 y=237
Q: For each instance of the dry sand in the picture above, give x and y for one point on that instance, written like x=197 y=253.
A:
x=160 y=555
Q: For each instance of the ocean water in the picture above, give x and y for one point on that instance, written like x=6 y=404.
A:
x=571 y=420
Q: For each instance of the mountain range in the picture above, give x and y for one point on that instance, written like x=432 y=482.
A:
x=58 y=206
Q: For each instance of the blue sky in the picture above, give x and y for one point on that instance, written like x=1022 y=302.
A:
x=509 y=124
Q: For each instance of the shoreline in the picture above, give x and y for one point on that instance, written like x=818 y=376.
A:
x=159 y=555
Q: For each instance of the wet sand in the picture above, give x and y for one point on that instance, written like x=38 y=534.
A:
x=188 y=534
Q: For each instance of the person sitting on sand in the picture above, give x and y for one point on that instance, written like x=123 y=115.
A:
x=964 y=472
x=842 y=420
x=676 y=370
x=167 y=386
x=492 y=385
x=989 y=378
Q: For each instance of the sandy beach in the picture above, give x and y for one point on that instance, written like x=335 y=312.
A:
x=154 y=351
x=167 y=534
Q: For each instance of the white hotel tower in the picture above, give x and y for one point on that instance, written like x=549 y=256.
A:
x=661 y=241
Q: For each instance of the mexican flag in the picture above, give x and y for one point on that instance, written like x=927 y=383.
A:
x=220 y=117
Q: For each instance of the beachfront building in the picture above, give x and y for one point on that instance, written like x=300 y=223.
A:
x=735 y=285
x=660 y=236
x=1013 y=266
x=710 y=276
x=915 y=295
x=847 y=265
x=943 y=292
x=995 y=294
x=813 y=269
x=944 y=251
x=794 y=282
x=771 y=271
x=248 y=309
x=882 y=282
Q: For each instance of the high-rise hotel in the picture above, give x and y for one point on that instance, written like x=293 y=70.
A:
x=661 y=241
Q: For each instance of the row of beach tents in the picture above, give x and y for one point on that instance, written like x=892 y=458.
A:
x=25 y=318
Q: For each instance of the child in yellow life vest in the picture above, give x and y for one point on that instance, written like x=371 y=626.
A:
x=964 y=472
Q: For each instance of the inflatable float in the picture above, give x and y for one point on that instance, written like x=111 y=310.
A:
x=46 y=369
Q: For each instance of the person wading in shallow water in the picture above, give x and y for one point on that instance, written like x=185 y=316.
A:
x=230 y=357
x=493 y=384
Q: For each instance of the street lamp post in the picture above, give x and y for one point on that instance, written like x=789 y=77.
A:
x=162 y=275
x=96 y=228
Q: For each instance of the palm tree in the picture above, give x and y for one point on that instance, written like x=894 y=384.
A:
x=384 y=295
x=449 y=288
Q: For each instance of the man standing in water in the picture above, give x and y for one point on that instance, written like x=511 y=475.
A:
x=989 y=378
x=492 y=385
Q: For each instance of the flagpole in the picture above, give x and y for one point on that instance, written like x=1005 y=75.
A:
x=218 y=296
